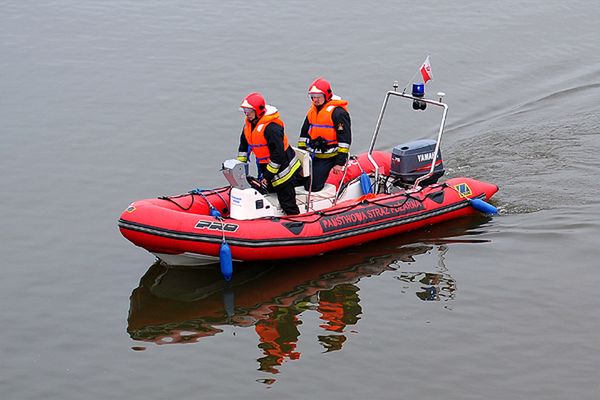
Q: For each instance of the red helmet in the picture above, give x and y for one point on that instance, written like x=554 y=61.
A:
x=255 y=101
x=321 y=86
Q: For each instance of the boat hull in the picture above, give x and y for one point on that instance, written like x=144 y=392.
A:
x=180 y=230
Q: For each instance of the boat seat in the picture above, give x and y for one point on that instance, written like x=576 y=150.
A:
x=318 y=200
x=327 y=192
x=305 y=161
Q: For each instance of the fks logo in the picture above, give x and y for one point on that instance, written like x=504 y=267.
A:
x=216 y=226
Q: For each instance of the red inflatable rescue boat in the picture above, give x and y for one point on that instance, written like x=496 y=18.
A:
x=379 y=194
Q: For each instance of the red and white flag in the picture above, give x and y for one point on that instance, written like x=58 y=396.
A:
x=426 y=71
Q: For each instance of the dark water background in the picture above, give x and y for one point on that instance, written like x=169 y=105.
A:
x=106 y=102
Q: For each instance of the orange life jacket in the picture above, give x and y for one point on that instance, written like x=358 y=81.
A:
x=321 y=121
x=256 y=137
x=276 y=343
x=333 y=313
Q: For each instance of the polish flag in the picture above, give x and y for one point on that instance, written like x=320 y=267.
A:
x=426 y=71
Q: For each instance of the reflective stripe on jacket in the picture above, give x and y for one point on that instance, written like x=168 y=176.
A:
x=287 y=173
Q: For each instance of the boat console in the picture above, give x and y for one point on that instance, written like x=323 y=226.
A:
x=251 y=200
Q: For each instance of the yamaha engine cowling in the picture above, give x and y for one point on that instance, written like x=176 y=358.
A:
x=413 y=159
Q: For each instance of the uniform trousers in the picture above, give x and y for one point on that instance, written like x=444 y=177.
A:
x=320 y=171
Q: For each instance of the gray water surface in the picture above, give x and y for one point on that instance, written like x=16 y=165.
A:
x=107 y=102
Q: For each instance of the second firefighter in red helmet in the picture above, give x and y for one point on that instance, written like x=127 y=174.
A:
x=326 y=132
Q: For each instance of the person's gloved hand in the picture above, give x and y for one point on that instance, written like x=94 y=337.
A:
x=318 y=143
x=268 y=176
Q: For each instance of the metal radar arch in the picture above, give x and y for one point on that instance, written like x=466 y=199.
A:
x=419 y=103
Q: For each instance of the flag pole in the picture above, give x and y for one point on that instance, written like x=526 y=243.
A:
x=415 y=74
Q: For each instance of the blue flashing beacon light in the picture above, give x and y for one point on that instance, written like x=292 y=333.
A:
x=418 y=90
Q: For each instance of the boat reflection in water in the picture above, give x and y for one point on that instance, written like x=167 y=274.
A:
x=183 y=305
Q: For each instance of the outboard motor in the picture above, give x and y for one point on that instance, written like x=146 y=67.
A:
x=412 y=160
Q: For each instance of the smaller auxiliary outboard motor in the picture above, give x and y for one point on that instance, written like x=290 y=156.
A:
x=412 y=160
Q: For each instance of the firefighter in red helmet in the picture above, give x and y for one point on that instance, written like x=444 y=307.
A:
x=326 y=132
x=263 y=134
